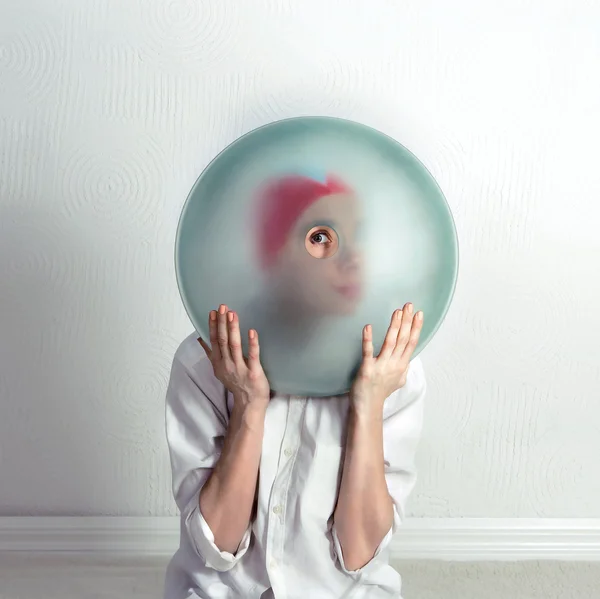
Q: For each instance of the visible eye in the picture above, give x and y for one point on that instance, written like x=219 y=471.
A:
x=320 y=237
x=321 y=241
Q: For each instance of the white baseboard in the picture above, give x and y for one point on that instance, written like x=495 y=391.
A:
x=499 y=539
x=457 y=539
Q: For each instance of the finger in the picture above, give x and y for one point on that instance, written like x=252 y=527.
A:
x=367 y=342
x=212 y=329
x=389 y=343
x=253 y=351
x=205 y=348
x=413 y=339
x=235 y=340
x=404 y=333
x=222 y=334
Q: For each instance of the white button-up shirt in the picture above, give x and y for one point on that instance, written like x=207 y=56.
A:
x=290 y=549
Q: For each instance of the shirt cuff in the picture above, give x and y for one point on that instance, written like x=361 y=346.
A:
x=203 y=541
x=380 y=556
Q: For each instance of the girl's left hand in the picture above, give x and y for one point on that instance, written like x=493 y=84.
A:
x=378 y=377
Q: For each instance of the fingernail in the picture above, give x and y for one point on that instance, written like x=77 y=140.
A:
x=419 y=315
x=251 y=333
x=398 y=314
x=409 y=308
x=222 y=309
x=213 y=315
x=230 y=316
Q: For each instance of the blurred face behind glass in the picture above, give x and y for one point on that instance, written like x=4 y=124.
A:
x=320 y=268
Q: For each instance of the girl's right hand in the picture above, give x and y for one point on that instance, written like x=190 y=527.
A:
x=243 y=377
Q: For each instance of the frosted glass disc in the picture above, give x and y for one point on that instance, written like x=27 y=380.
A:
x=311 y=228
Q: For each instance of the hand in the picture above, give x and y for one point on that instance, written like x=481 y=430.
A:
x=378 y=377
x=243 y=377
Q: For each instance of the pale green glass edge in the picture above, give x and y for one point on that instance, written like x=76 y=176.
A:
x=423 y=342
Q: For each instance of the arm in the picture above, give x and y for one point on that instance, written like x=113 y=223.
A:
x=215 y=458
x=364 y=512
x=197 y=426
x=384 y=426
x=227 y=498
x=369 y=510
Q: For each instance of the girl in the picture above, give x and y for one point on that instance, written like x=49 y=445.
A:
x=308 y=234
x=291 y=496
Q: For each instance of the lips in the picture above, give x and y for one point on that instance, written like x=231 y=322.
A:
x=352 y=291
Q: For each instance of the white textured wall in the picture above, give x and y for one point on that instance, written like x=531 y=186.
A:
x=109 y=109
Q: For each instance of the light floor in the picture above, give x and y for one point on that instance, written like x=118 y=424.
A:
x=27 y=576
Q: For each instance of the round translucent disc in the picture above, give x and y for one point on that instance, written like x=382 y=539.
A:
x=310 y=228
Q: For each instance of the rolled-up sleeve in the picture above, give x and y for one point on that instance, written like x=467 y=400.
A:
x=196 y=424
x=402 y=427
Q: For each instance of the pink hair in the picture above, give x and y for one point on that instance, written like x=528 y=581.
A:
x=281 y=203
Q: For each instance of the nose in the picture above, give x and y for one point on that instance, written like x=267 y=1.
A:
x=349 y=258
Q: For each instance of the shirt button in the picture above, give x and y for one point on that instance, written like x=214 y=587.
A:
x=288 y=452
x=277 y=509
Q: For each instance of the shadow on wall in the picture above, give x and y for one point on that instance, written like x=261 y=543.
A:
x=68 y=356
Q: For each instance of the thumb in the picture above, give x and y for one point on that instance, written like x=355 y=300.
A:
x=205 y=347
x=367 y=343
x=253 y=351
